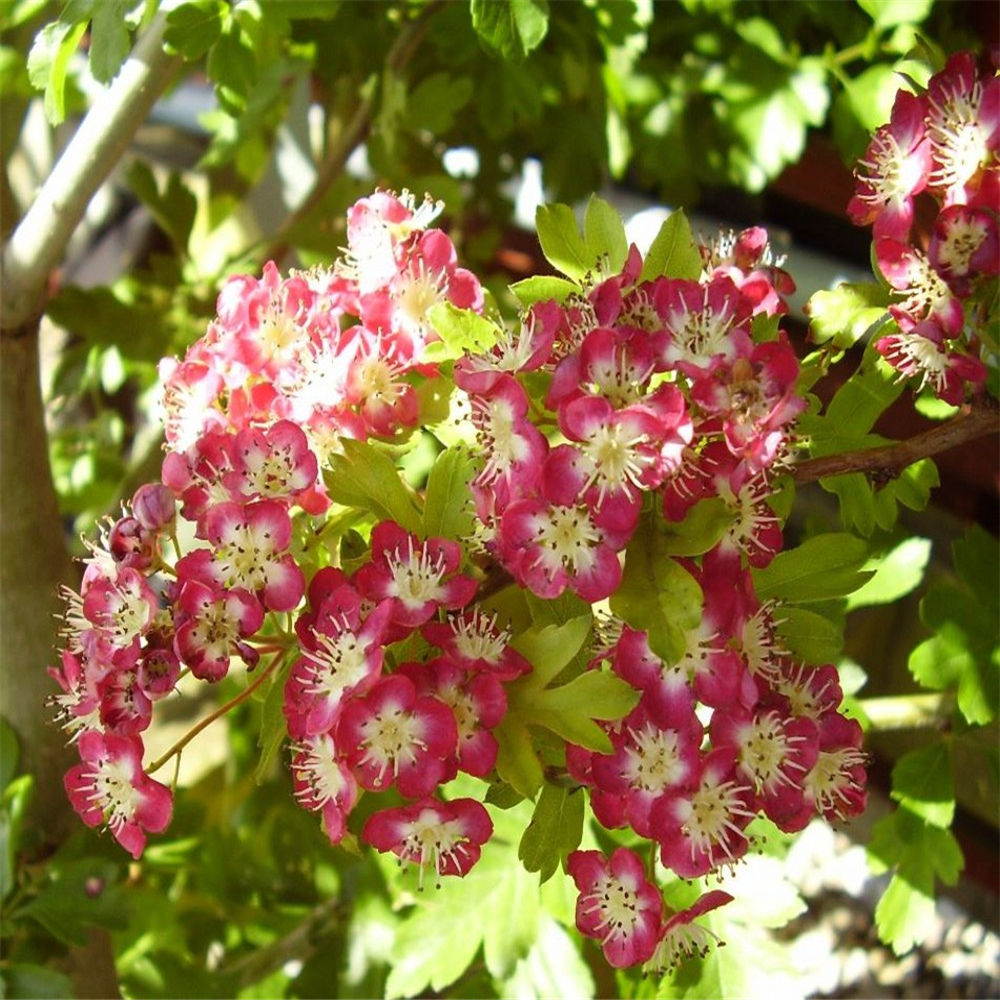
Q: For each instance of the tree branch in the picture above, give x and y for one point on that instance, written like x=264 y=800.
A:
x=912 y=711
x=37 y=244
x=889 y=460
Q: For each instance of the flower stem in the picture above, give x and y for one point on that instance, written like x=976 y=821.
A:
x=218 y=713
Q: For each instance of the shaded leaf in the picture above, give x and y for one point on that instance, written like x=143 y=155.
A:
x=922 y=782
x=555 y=830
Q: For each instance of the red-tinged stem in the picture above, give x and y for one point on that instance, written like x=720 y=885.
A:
x=887 y=461
x=217 y=714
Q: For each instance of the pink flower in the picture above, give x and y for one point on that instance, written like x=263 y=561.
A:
x=924 y=294
x=774 y=752
x=417 y=576
x=924 y=354
x=341 y=657
x=478 y=703
x=755 y=399
x=617 y=906
x=210 y=626
x=701 y=323
x=393 y=736
x=120 y=609
x=525 y=350
x=273 y=464
x=248 y=543
x=548 y=546
x=647 y=763
x=700 y=828
x=682 y=938
x=963 y=124
x=836 y=784
x=615 y=363
x=323 y=782
x=964 y=246
x=895 y=169
x=79 y=705
x=474 y=641
x=445 y=835
x=513 y=449
x=109 y=787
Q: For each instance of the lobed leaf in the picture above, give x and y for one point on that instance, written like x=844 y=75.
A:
x=366 y=478
x=555 y=830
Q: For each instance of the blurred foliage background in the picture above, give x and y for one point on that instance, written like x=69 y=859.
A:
x=278 y=115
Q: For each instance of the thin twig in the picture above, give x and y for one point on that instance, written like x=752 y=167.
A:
x=889 y=460
x=218 y=713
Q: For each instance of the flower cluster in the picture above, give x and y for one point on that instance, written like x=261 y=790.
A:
x=941 y=143
x=619 y=406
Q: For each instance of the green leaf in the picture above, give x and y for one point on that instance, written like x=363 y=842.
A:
x=673 y=253
x=702 y=527
x=813 y=637
x=844 y=315
x=977 y=562
x=964 y=654
x=110 y=39
x=553 y=967
x=232 y=67
x=448 y=508
x=554 y=832
x=542 y=288
x=896 y=574
x=438 y=941
x=517 y=762
x=917 y=852
x=511 y=27
x=23 y=981
x=561 y=242
x=365 y=478
x=68 y=904
x=194 y=27
x=273 y=727
x=922 y=782
x=604 y=235
x=435 y=101
x=657 y=594
x=461 y=331
x=48 y=64
x=549 y=648
x=174 y=208
x=13 y=810
x=889 y=13
x=822 y=567
x=569 y=710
